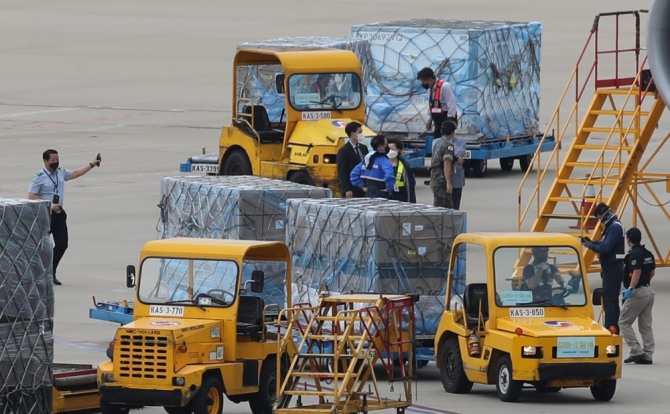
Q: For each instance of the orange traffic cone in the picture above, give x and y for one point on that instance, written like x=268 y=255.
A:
x=585 y=208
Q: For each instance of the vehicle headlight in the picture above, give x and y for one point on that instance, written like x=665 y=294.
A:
x=529 y=351
x=108 y=377
x=178 y=381
x=612 y=350
x=330 y=159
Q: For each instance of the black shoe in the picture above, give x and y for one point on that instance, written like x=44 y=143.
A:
x=57 y=282
x=634 y=358
x=644 y=361
x=426 y=182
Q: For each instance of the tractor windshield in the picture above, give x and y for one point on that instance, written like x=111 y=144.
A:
x=324 y=91
x=538 y=276
x=188 y=281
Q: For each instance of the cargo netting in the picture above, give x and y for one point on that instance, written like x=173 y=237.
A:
x=373 y=245
x=26 y=307
x=493 y=68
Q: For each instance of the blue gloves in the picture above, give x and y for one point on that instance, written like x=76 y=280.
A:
x=627 y=294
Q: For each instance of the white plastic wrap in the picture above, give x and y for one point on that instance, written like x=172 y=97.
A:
x=228 y=207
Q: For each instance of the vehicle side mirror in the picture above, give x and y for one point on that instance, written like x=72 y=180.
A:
x=257 y=281
x=598 y=296
x=279 y=82
x=130 y=276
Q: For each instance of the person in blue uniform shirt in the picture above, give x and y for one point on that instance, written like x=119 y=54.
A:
x=611 y=252
x=375 y=174
x=49 y=184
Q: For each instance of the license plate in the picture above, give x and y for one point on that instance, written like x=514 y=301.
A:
x=579 y=347
x=158 y=310
x=206 y=168
x=315 y=116
x=526 y=312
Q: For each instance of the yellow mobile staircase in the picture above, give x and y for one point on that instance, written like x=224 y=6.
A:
x=328 y=355
x=611 y=153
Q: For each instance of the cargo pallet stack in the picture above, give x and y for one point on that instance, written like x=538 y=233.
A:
x=373 y=245
x=493 y=68
x=26 y=307
x=232 y=207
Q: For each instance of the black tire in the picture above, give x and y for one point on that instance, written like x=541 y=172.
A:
x=509 y=390
x=506 y=164
x=605 y=391
x=209 y=399
x=263 y=401
x=452 y=373
x=107 y=408
x=301 y=177
x=525 y=162
x=236 y=163
x=178 y=410
x=479 y=168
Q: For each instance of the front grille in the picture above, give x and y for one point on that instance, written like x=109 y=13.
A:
x=143 y=356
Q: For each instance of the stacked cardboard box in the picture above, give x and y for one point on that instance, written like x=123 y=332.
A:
x=228 y=207
x=26 y=307
x=373 y=245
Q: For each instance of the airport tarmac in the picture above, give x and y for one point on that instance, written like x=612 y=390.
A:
x=147 y=84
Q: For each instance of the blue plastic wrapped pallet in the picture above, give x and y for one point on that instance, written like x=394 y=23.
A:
x=258 y=82
x=373 y=245
x=493 y=67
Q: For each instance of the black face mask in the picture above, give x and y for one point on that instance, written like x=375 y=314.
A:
x=425 y=86
x=54 y=166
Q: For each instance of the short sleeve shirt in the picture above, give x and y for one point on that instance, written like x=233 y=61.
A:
x=443 y=151
x=46 y=184
x=639 y=258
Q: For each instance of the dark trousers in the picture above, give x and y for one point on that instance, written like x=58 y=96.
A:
x=376 y=189
x=456 y=194
x=611 y=274
x=59 y=233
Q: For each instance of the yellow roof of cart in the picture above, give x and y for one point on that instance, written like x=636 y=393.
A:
x=191 y=248
x=295 y=60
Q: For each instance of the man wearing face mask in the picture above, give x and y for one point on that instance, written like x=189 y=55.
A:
x=611 y=253
x=350 y=155
x=49 y=184
x=375 y=174
x=441 y=100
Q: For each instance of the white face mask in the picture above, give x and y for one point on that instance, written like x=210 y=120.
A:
x=392 y=154
x=360 y=137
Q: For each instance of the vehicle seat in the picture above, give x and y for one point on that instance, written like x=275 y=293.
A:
x=475 y=293
x=250 y=315
x=261 y=123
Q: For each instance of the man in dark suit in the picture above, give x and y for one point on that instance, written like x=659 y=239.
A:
x=350 y=155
